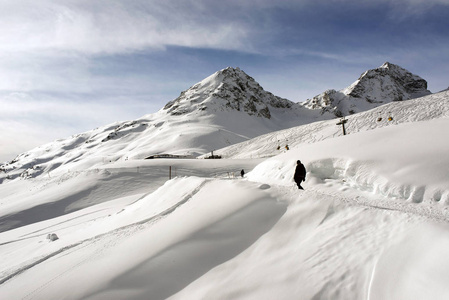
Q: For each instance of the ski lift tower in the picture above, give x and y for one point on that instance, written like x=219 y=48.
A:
x=342 y=122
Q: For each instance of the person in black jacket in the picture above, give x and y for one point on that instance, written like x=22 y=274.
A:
x=300 y=174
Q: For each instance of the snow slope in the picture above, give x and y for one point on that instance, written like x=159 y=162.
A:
x=430 y=107
x=371 y=224
x=25 y=202
x=398 y=162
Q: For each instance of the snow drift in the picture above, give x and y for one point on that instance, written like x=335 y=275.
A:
x=394 y=162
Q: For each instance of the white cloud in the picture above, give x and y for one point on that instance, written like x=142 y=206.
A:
x=50 y=44
x=106 y=26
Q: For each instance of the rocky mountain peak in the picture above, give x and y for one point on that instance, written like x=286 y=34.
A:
x=375 y=87
x=225 y=90
x=393 y=67
x=398 y=83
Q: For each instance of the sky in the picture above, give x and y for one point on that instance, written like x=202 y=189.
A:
x=69 y=66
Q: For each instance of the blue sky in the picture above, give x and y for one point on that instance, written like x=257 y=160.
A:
x=68 y=66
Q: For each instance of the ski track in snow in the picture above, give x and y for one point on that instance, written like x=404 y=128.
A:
x=34 y=233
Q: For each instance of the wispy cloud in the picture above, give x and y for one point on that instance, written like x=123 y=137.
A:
x=118 y=26
x=53 y=45
x=105 y=26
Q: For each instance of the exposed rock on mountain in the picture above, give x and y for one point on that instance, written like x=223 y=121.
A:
x=374 y=87
x=227 y=90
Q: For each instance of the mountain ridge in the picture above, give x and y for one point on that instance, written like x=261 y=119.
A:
x=385 y=84
x=227 y=89
x=225 y=108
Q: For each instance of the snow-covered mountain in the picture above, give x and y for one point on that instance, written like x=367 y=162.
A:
x=225 y=108
x=227 y=90
x=375 y=87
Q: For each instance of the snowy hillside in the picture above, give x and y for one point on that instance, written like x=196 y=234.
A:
x=371 y=224
x=375 y=87
x=226 y=108
x=430 y=107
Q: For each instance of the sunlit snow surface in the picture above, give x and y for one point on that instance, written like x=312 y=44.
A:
x=371 y=224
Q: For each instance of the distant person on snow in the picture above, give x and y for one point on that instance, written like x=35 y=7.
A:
x=300 y=174
x=242 y=172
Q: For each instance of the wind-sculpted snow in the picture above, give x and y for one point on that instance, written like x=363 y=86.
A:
x=362 y=175
x=407 y=270
x=393 y=162
x=169 y=249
